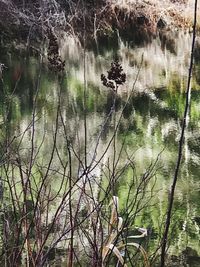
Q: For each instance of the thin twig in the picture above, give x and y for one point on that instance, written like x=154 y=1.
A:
x=181 y=141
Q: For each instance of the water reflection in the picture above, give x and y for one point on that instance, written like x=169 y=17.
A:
x=151 y=122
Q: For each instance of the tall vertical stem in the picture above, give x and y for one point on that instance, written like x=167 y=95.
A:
x=181 y=141
x=85 y=96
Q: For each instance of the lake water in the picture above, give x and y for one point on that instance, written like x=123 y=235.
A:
x=145 y=144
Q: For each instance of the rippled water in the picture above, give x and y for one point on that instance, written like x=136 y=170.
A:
x=150 y=124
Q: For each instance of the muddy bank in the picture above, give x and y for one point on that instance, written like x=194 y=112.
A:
x=136 y=21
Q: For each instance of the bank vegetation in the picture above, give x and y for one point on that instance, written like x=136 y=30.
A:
x=134 y=20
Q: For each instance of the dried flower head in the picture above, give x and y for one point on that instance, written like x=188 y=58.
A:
x=115 y=76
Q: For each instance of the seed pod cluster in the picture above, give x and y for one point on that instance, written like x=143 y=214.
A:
x=115 y=76
x=55 y=62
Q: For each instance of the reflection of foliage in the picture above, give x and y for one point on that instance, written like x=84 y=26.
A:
x=196 y=77
x=140 y=112
x=95 y=100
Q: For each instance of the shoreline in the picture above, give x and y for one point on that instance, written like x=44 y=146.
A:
x=135 y=21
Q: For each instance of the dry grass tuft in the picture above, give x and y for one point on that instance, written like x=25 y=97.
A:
x=112 y=245
x=173 y=13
